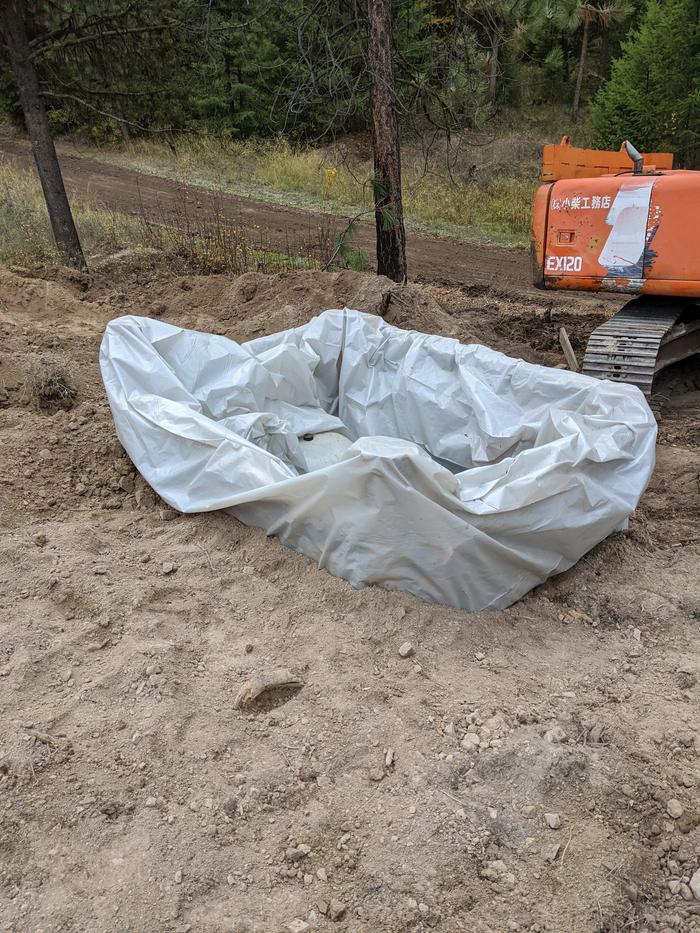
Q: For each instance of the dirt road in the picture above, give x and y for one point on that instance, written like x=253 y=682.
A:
x=430 y=259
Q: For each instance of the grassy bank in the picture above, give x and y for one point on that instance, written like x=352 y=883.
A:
x=212 y=245
x=445 y=191
x=25 y=232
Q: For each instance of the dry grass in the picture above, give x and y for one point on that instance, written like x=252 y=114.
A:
x=479 y=189
x=48 y=385
x=25 y=232
x=209 y=244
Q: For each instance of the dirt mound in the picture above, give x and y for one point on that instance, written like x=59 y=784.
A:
x=388 y=793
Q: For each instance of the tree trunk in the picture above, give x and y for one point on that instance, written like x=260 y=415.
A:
x=493 y=72
x=123 y=128
x=605 y=53
x=388 y=208
x=37 y=123
x=581 y=69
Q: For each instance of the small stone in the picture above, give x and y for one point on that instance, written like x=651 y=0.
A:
x=297 y=926
x=529 y=811
x=479 y=656
x=377 y=774
x=40 y=539
x=470 y=741
x=596 y=734
x=126 y=483
x=694 y=885
x=168 y=567
x=306 y=774
x=497 y=872
x=336 y=909
x=555 y=735
x=674 y=808
x=627 y=790
x=686 y=892
x=631 y=890
x=407 y=650
x=550 y=852
x=674 y=886
x=151 y=802
x=577 y=616
x=230 y=807
x=553 y=820
x=167 y=515
x=111 y=808
x=322 y=875
x=178 y=876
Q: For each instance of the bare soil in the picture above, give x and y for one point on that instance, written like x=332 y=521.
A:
x=134 y=796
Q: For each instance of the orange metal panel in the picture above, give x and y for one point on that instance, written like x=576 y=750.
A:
x=562 y=160
x=673 y=232
x=596 y=228
x=538 y=228
x=628 y=233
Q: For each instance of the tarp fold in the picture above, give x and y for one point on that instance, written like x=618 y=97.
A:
x=469 y=477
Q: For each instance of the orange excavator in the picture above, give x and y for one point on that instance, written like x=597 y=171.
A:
x=623 y=222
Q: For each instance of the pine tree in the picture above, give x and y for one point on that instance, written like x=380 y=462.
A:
x=653 y=95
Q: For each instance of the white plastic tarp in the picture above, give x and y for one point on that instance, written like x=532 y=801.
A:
x=469 y=478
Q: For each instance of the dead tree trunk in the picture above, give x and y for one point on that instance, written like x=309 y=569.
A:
x=494 y=67
x=388 y=208
x=36 y=120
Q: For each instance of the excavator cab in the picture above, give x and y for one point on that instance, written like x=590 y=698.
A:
x=623 y=222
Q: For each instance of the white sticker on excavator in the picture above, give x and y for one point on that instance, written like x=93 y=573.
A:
x=623 y=252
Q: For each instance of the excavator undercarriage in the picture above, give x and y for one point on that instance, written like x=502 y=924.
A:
x=642 y=339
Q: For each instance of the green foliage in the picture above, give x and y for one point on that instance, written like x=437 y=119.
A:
x=236 y=69
x=350 y=256
x=653 y=95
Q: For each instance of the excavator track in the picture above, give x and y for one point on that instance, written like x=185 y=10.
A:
x=641 y=340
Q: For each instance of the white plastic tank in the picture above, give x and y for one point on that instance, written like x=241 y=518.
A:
x=322 y=450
